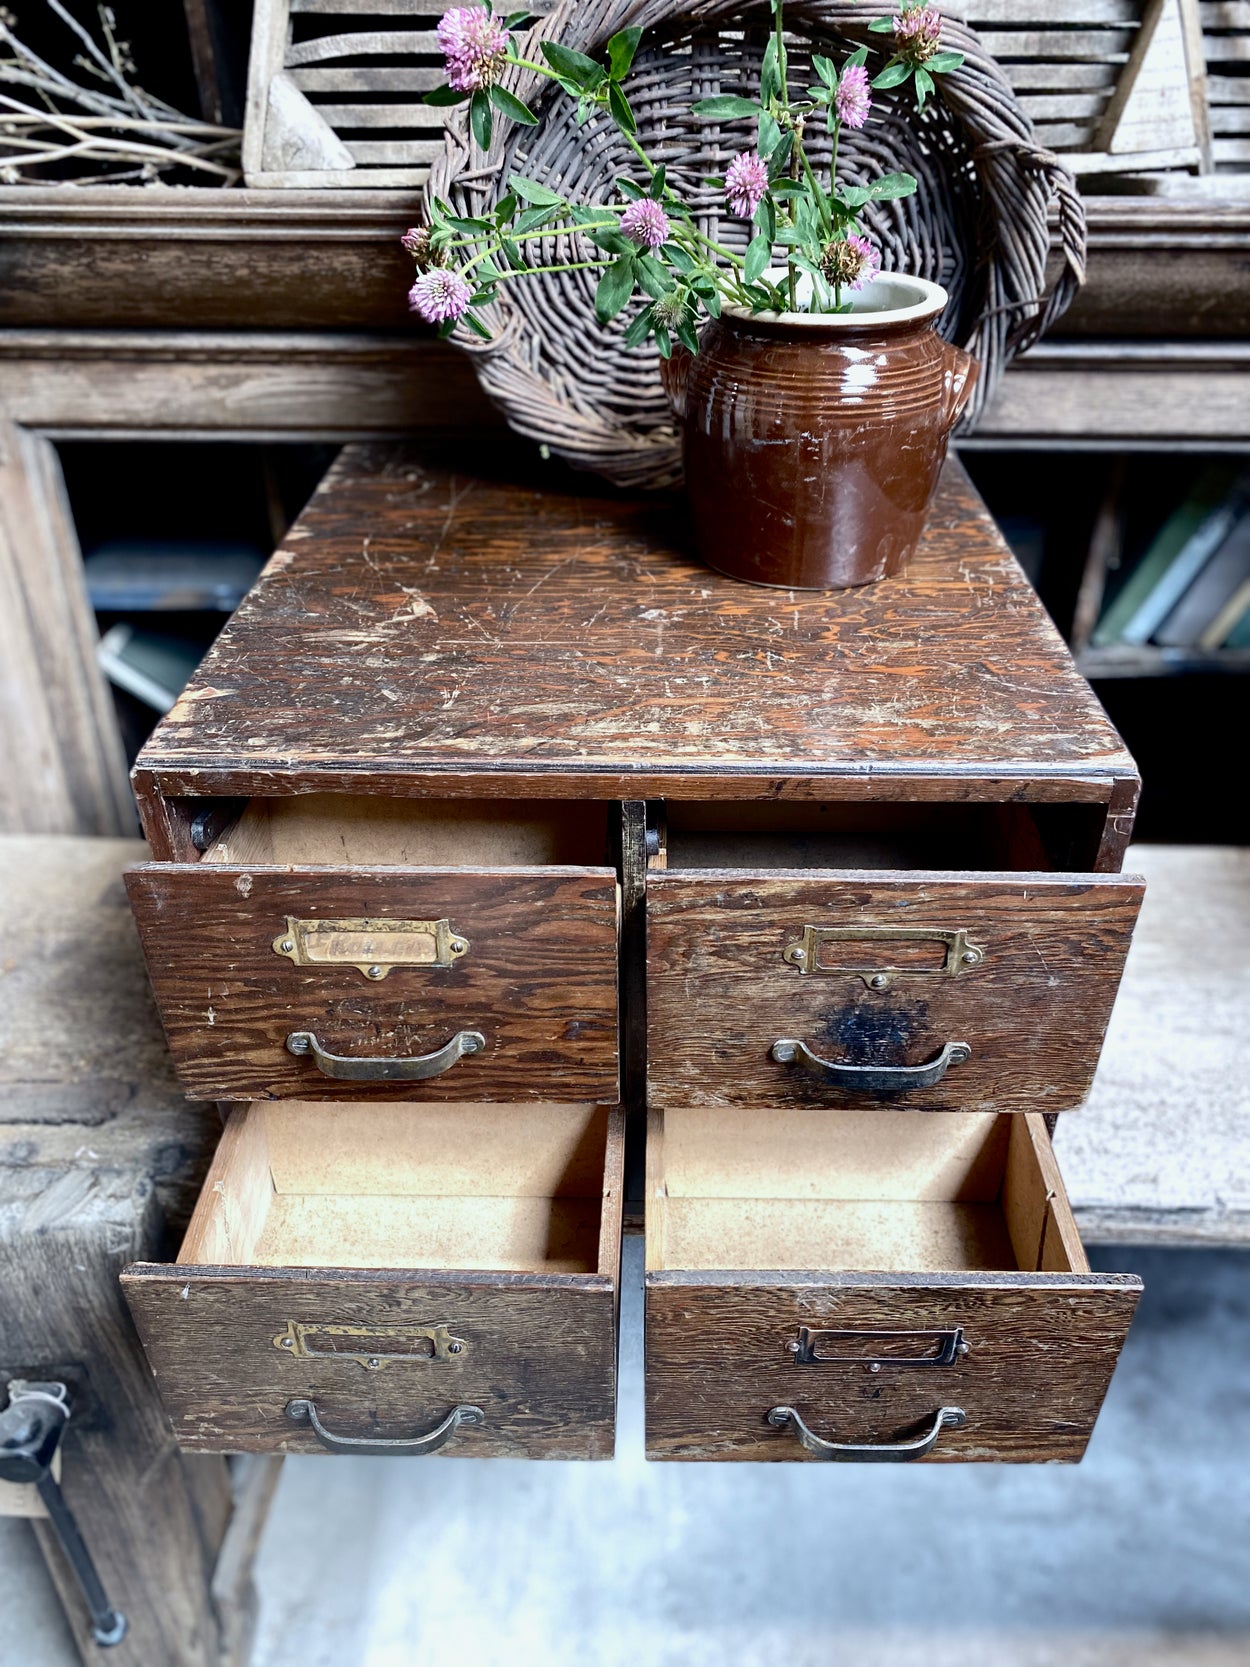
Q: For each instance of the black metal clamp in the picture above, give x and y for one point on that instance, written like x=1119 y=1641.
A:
x=31 y=1427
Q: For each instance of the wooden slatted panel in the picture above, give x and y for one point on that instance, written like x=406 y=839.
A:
x=362 y=66
x=1063 y=58
x=1226 y=43
x=1012 y=13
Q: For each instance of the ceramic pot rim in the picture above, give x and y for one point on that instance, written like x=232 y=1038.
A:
x=930 y=300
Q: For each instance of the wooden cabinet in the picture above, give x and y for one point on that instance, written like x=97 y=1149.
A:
x=528 y=817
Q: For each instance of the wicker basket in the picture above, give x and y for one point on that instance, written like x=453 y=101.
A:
x=977 y=225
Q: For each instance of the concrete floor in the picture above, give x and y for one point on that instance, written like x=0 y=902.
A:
x=1139 y=1556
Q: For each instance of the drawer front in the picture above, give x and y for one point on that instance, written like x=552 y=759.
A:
x=381 y=1357
x=268 y=989
x=872 y=1360
x=923 y=991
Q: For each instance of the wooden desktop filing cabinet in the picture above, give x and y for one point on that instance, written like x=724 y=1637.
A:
x=492 y=822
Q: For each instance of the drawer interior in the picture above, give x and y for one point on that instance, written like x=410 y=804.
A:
x=870 y=1192
x=525 y=1189
x=319 y=828
x=957 y=836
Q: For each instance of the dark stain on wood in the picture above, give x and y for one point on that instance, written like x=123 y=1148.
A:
x=1034 y=1011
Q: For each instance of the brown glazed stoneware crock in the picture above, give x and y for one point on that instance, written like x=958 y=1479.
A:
x=813 y=442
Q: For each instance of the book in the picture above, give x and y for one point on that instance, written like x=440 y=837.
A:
x=146 y=575
x=1181 y=549
x=1194 y=615
x=1239 y=636
x=153 y=667
x=1231 y=627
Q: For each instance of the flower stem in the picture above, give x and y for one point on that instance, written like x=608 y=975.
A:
x=538 y=232
x=563 y=266
x=717 y=248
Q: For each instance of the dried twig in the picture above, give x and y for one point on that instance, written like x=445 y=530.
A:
x=124 y=132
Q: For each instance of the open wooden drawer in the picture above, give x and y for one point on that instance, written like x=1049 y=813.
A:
x=396 y=949
x=777 y=976
x=869 y=1286
x=396 y=1279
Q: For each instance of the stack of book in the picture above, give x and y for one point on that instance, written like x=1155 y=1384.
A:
x=1191 y=588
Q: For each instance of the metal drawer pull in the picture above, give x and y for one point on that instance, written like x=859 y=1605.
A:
x=385 y=1446
x=878 y=1079
x=891 y=1452
x=386 y=1070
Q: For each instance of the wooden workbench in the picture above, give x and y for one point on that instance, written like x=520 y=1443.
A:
x=100 y=1158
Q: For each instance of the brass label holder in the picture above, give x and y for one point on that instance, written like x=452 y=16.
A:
x=371 y=944
x=371 y=1342
x=876 y=1349
x=882 y=945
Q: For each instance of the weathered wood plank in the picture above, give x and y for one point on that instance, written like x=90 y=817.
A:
x=652 y=667
x=1101 y=46
x=381 y=115
x=64 y=767
x=366 y=8
x=1062 y=106
x=152 y=1524
x=1225 y=14
x=983 y=13
x=1026 y=75
x=84 y=1071
x=1127 y=391
x=332 y=261
x=1228 y=89
x=343 y=179
x=1161 y=1152
x=367 y=43
x=99 y=1155
x=368 y=78
x=393 y=153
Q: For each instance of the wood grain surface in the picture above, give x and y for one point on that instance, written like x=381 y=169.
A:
x=1042 y=1348
x=170 y=257
x=1033 y=1011
x=540 y=1358
x=428 y=631
x=539 y=980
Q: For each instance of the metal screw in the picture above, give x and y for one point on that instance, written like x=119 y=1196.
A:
x=288 y=1342
x=879 y=981
x=875 y=1366
x=793 y=1348
x=971 y=957
x=373 y=972
x=798 y=956
x=964 y=1348
x=455 y=1348
x=458 y=946
x=287 y=947
x=373 y=1363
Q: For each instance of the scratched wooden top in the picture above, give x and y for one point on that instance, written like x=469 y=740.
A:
x=436 y=632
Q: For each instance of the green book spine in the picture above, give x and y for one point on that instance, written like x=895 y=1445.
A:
x=1177 y=534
